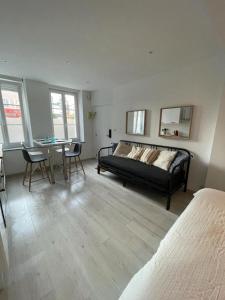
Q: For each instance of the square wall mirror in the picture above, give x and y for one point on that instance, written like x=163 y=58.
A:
x=136 y=122
x=175 y=122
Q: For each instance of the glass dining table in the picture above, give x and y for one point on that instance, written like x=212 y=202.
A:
x=50 y=144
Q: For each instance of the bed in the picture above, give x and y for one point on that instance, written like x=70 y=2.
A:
x=190 y=261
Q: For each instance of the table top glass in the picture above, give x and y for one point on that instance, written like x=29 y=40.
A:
x=51 y=142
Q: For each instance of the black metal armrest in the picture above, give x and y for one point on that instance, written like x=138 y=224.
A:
x=173 y=171
x=103 y=148
x=180 y=165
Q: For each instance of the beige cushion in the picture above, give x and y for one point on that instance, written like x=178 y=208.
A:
x=136 y=152
x=149 y=156
x=164 y=159
x=122 y=149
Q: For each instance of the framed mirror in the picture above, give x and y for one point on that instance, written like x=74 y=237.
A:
x=136 y=122
x=175 y=122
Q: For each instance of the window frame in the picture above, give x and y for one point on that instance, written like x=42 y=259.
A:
x=12 y=86
x=65 y=123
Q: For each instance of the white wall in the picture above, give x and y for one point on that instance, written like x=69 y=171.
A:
x=216 y=171
x=39 y=108
x=199 y=84
x=14 y=162
x=87 y=131
x=102 y=105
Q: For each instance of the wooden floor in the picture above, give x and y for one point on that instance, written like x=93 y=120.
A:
x=83 y=239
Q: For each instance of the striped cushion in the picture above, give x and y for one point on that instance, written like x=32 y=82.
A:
x=136 y=153
x=149 y=156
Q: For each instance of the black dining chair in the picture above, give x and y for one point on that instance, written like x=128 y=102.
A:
x=34 y=159
x=76 y=155
x=31 y=150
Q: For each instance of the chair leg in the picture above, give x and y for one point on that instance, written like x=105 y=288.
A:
x=42 y=173
x=46 y=171
x=81 y=164
x=25 y=173
x=30 y=177
x=75 y=160
x=65 y=168
x=70 y=167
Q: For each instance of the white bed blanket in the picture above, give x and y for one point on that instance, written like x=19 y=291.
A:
x=190 y=261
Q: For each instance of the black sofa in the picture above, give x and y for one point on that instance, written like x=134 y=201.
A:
x=166 y=182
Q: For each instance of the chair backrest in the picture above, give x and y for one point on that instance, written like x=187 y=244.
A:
x=26 y=155
x=24 y=146
x=77 y=148
x=75 y=140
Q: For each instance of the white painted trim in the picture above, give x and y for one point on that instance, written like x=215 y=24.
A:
x=10 y=78
x=27 y=121
x=19 y=86
x=63 y=89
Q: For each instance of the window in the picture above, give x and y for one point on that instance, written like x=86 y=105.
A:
x=11 y=114
x=64 y=114
x=1 y=136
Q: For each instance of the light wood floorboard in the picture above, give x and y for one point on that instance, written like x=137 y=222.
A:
x=82 y=239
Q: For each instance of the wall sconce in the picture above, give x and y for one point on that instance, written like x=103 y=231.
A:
x=91 y=115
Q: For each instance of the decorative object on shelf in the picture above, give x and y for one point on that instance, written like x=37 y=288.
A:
x=164 y=130
x=175 y=122
x=91 y=115
x=136 y=122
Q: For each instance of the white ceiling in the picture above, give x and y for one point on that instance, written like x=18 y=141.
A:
x=216 y=10
x=91 y=44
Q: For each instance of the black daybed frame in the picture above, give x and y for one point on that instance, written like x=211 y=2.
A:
x=184 y=164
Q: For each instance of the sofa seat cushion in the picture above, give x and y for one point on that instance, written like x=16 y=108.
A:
x=138 y=169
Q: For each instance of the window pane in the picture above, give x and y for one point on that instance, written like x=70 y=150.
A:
x=10 y=97
x=71 y=119
x=72 y=131
x=15 y=133
x=12 y=108
x=71 y=115
x=13 y=115
x=59 y=131
x=57 y=109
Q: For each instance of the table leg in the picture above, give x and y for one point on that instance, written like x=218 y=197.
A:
x=3 y=216
x=51 y=165
x=64 y=163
